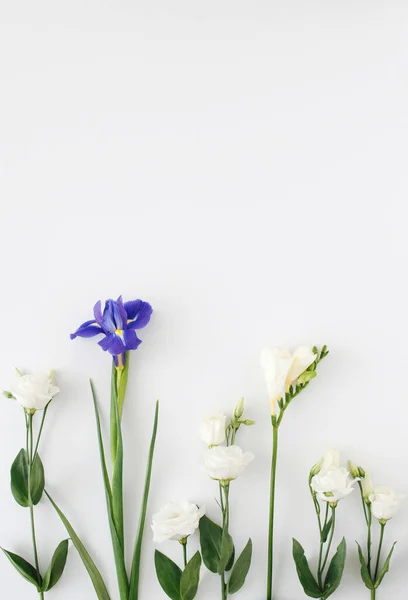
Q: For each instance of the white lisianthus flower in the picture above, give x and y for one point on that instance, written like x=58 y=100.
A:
x=331 y=459
x=333 y=484
x=303 y=357
x=368 y=487
x=384 y=503
x=176 y=521
x=213 y=429
x=225 y=463
x=33 y=391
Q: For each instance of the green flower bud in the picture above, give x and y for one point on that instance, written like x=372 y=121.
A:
x=248 y=422
x=239 y=409
x=316 y=468
x=354 y=472
x=368 y=488
x=8 y=394
x=361 y=472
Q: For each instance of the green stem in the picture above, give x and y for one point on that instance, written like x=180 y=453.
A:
x=330 y=538
x=29 y=440
x=363 y=502
x=319 y=564
x=40 y=431
x=224 y=491
x=379 y=551
x=373 y=594
x=369 y=522
x=184 y=544
x=275 y=426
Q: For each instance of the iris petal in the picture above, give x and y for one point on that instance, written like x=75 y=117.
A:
x=108 y=320
x=98 y=312
x=132 y=308
x=131 y=340
x=87 y=330
x=112 y=343
x=122 y=312
x=141 y=316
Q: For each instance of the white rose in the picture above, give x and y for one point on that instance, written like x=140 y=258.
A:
x=226 y=463
x=332 y=484
x=33 y=391
x=302 y=357
x=213 y=429
x=176 y=521
x=384 y=502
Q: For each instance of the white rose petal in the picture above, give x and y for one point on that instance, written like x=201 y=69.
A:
x=33 y=391
x=333 y=484
x=176 y=521
x=226 y=463
x=213 y=429
x=384 y=502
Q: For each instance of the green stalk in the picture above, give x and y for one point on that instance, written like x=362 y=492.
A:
x=275 y=428
x=40 y=431
x=319 y=564
x=224 y=490
x=369 y=522
x=373 y=594
x=135 y=574
x=330 y=538
x=363 y=501
x=29 y=439
x=379 y=551
x=184 y=544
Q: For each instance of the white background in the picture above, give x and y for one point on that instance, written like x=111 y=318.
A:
x=242 y=166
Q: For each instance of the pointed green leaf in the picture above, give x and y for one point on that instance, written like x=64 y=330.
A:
x=168 y=574
x=385 y=568
x=326 y=530
x=37 y=480
x=335 y=571
x=19 y=479
x=89 y=564
x=210 y=541
x=190 y=578
x=227 y=550
x=240 y=570
x=306 y=578
x=26 y=570
x=365 y=574
x=56 y=567
x=230 y=563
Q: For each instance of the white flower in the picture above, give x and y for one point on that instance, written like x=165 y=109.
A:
x=332 y=484
x=368 y=487
x=384 y=502
x=213 y=429
x=33 y=391
x=176 y=521
x=226 y=463
x=331 y=459
x=282 y=368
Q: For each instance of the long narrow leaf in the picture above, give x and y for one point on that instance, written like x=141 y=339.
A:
x=117 y=470
x=116 y=544
x=135 y=574
x=94 y=574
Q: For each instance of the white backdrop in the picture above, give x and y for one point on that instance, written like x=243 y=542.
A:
x=242 y=166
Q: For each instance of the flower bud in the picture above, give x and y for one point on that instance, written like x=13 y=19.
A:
x=361 y=472
x=316 y=468
x=7 y=394
x=239 y=409
x=368 y=488
x=248 y=422
x=354 y=471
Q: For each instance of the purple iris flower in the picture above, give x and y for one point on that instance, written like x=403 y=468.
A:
x=117 y=323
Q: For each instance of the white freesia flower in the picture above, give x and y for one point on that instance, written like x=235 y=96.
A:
x=303 y=357
x=176 y=521
x=213 y=429
x=384 y=502
x=226 y=463
x=33 y=391
x=282 y=368
x=332 y=484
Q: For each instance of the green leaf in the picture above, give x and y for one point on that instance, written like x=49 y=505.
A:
x=306 y=578
x=190 y=578
x=135 y=573
x=227 y=551
x=168 y=574
x=335 y=571
x=37 y=480
x=230 y=563
x=240 y=570
x=19 y=479
x=326 y=530
x=385 y=568
x=365 y=574
x=117 y=463
x=26 y=570
x=56 y=567
x=210 y=541
x=94 y=574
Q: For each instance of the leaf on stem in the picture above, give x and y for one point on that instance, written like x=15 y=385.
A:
x=19 y=479
x=26 y=570
x=56 y=567
x=385 y=568
x=326 y=530
x=168 y=574
x=240 y=570
x=305 y=575
x=227 y=551
x=37 y=480
x=190 y=578
x=365 y=574
x=210 y=541
x=335 y=571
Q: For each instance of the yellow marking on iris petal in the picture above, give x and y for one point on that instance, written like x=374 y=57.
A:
x=119 y=332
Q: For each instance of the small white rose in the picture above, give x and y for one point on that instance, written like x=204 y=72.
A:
x=33 y=391
x=384 y=502
x=213 y=429
x=333 y=484
x=176 y=521
x=225 y=463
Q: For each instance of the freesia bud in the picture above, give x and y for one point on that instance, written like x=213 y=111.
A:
x=368 y=488
x=8 y=394
x=239 y=409
x=248 y=422
x=354 y=472
x=361 y=471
